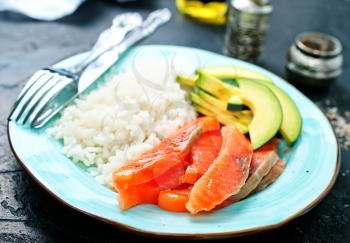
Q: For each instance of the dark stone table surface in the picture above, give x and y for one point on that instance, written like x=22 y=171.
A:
x=29 y=214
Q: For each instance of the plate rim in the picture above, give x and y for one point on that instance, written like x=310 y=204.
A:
x=235 y=233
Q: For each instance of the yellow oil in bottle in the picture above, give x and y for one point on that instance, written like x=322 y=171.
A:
x=206 y=11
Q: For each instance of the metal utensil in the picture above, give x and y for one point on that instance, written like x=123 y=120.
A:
x=51 y=89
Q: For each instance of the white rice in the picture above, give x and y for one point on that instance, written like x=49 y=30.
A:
x=115 y=123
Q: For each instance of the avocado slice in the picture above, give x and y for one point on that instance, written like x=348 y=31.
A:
x=291 y=122
x=218 y=104
x=235 y=103
x=216 y=87
x=232 y=72
x=224 y=117
x=202 y=110
x=244 y=117
x=266 y=108
x=230 y=81
x=187 y=80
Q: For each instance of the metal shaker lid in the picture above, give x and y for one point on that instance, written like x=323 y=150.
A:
x=318 y=44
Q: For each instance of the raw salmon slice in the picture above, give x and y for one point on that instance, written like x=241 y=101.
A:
x=144 y=193
x=208 y=123
x=177 y=145
x=148 y=192
x=174 y=200
x=225 y=176
x=203 y=153
x=258 y=156
x=273 y=174
x=262 y=161
x=267 y=159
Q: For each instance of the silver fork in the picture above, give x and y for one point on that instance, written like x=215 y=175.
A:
x=49 y=90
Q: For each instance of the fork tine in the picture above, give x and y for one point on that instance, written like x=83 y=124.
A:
x=43 y=118
x=34 y=96
x=45 y=100
x=26 y=97
x=46 y=114
x=31 y=82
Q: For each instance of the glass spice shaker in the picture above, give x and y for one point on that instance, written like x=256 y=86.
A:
x=314 y=60
x=247 y=24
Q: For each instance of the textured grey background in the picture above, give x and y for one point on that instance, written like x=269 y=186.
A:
x=29 y=214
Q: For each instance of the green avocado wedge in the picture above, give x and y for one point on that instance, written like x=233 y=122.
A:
x=216 y=87
x=235 y=103
x=187 y=80
x=266 y=108
x=245 y=116
x=223 y=116
x=232 y=72
x=291 y=122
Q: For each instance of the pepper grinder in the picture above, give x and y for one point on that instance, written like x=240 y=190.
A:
x=247 y=24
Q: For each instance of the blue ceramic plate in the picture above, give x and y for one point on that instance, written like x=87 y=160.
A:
x=311 y=169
